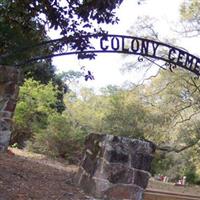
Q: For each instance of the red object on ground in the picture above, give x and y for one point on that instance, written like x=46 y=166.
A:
x=9 y=152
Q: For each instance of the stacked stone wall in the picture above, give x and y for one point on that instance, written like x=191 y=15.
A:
x=115 y=168
x=9 y=88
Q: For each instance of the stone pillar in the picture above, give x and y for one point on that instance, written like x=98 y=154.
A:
x=9 y=88
x=115 y=168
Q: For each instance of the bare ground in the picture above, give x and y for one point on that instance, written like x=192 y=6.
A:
x=170 y=187
x=28 y=176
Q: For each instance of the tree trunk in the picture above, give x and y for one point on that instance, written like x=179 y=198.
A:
x=10 y=78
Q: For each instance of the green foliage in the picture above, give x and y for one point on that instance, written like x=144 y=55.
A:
x=59 y=139
x=191 y=176
x=190 y=16
x=46 y=130
x=165 y=111
x=24 y=25
x=190 y=10
x=86 y=110
x=20 y=32
x=162 y=163
x=126 y=115
x=24 y=41
x=36 y=102
x=70 y=76
x=176 y=97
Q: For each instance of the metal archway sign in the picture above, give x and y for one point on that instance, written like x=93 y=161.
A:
x=171 y=55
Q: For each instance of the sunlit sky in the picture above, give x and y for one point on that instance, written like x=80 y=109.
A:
x=106 y=67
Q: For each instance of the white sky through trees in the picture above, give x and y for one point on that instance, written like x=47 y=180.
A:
x=106 y=67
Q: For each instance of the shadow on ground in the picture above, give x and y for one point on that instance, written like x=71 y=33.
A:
x=26 y=177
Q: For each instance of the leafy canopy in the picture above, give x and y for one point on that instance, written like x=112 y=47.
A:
x=24 y=25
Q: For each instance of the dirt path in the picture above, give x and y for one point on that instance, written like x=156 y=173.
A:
x=26 y=176
x=190 y=190
x=160 y=195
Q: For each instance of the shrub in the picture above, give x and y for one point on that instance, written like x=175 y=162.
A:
x=60 y=139
x=191 y=176
x=33 y=107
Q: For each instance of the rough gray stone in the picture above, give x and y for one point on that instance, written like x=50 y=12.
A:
x=4 y=140
x=115 y=167
x=141 y=161
x=9 y=88
x=140 y=178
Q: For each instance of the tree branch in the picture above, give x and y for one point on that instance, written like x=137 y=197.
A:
x=177 y=150
x=161 y=90
x=187 y=119
x=34 y=46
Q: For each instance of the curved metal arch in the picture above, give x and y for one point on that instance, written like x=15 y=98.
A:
x=173 y=56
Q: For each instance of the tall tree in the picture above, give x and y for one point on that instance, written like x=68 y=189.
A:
x=25 y=23
x=190 y=16
x=23 y=38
